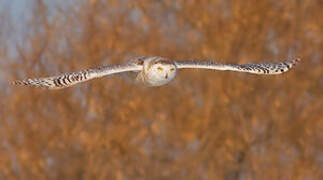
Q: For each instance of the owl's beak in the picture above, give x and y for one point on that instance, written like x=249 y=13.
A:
x=166 y=76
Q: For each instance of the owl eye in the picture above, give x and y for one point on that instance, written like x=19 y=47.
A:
x=159 y=68
x=172 y=69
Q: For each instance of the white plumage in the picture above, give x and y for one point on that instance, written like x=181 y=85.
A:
x=153 y=71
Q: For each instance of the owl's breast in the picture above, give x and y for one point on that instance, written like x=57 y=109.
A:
x=151 y=79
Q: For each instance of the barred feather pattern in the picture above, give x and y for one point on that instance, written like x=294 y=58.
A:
x=254 y=68
x=268 y=68
x=69 y=79
x=56 y=82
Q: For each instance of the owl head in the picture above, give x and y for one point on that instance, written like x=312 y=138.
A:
x=159 y=71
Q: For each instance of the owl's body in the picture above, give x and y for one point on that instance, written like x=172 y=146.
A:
x=152 y=71
x=156 y=71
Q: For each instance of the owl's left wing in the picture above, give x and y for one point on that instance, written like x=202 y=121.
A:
x=254 y=68
x=69 y=79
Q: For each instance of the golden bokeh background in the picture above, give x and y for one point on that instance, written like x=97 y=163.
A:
x=204 y=125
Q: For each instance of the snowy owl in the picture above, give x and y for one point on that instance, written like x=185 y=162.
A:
x=153 y=71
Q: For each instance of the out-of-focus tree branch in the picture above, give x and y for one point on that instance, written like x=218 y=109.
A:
x=204 y=125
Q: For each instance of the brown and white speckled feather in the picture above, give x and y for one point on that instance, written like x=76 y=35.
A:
x=254 y=68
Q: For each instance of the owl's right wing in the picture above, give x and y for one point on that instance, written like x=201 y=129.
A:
x=69 y=79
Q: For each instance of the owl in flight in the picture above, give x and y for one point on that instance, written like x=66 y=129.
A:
x=153 y=71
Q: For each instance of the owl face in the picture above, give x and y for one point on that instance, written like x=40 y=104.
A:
x=160 y=72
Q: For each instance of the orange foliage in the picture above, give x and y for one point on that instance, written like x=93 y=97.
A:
x=204 y=125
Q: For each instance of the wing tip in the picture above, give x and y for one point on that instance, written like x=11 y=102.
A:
x=30 y=83
x=18 y=83
x=290 y=63
x=294 y=61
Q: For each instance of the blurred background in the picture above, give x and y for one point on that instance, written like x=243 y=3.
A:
x=204 y=125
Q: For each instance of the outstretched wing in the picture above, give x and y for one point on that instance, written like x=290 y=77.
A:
x=254 y=68
x=69 y=79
